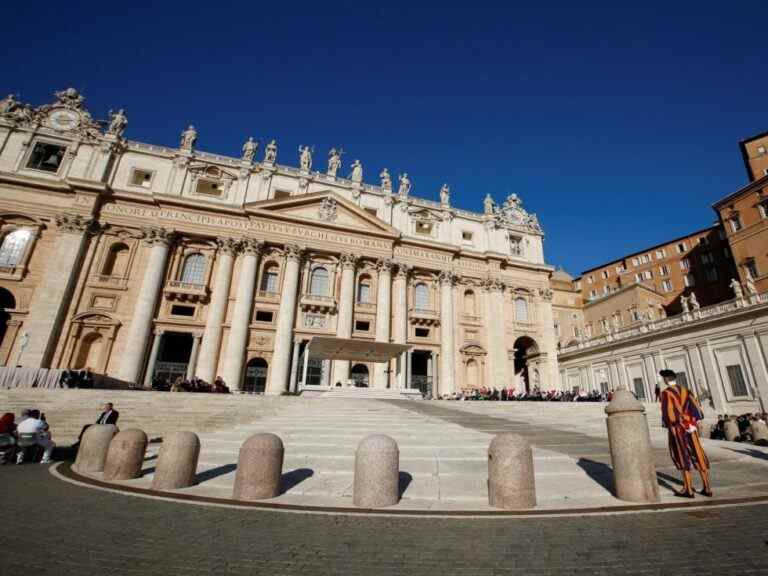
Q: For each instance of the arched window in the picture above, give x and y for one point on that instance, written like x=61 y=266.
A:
x=319 y=281
x=193 y=271
x=12 y=249
x=469 y=303
x=521 y=310
x=116 y=263
x=421 y=296
x=269 y=278
x=364 y=290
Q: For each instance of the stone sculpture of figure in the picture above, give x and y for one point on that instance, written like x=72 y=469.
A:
x=694 y=302
x=357 y=172
x=188 y=138
x=488 y=205
x=684 y=304
x=334 y=161
x=445 y=195
x=305 y=158
x=749 y=282
x=737 y=291
x=117 y=122
x=386 y=180
x=249 y=150
x=8 y=104
x=405 y=185
x=270 y=153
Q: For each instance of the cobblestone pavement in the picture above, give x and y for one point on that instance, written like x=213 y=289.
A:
x=52 y=527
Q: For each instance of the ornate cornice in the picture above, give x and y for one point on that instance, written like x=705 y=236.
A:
x=153 y=235
x=490 y=283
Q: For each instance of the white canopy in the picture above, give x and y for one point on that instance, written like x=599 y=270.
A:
x=330 y=348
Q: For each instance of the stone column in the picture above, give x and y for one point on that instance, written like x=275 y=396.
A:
x=237 y=343
x=294 y=366
x=152 y=359
x=281 y=357
x=497 y=342
x=52 y=297
x=549 y=344
x=143 y=313
x=400 y=326
x=196 y=337
x=383 y=318
x=756 y=361
x=447 y=364
x=217 y=310
x=346 y=306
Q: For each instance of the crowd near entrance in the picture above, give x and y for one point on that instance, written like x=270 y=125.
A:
x=527 y=378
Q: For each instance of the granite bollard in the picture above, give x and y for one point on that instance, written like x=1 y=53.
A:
x=125 y=455
x=634 y=474
x=511 y=481
x=92 y=452
x=259 y=468
x=759 y=431
x=377 y=472
x=704 y=428
x=177 y=462
x=731 y=430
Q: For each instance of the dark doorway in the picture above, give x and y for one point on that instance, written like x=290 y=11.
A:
x=173 y=356
x=256 y=376
x=7 y=302
x=525 y=349
x=421 y=379
x=359 y=375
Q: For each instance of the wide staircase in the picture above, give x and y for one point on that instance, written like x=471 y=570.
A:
x=67 y=411
x=349 y=392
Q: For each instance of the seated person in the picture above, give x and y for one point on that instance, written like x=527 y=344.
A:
x=7 y=438
x=37 y=426
x=108 y=416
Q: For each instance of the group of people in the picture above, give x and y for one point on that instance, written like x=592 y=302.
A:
x=190 y=385
x=744 y=422
x=77 y=379
x=535 y=395
x=30 y=430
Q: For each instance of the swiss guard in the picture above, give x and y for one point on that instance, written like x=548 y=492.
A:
x=679 y=414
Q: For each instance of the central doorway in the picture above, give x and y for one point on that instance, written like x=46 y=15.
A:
x=422 y=377
x=173 y=356
x=526 y=379
x=256 y=376
x=359 y=375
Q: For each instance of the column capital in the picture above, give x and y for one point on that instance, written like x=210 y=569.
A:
x=348 y=261
x=228 y=245
x=490 y=284
x=403 y=270
x=545 y=294
x=384 y=265
x=293 y=252
x=251 y=246
x=75 y=223
x=154 y=235
x=447 y=277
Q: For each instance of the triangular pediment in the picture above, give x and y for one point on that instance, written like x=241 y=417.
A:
x=325 y=208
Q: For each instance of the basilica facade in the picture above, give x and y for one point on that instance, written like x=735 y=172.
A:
x=139 y=261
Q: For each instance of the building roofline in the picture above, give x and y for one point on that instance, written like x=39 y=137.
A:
x=644 y=250
x=621 y=291
x=742 y=146
x=743 y=190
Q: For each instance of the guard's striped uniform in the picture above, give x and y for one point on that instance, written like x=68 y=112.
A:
x=679 y=411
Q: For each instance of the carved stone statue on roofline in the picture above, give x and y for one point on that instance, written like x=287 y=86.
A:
x=270 y=153
x=305 y=158
x=357 y=172
x=189 y=138
x=334 y=161
x=117 y=123
x=386 y=180
x=249 y=150
x=405 y=185
x=445 y=195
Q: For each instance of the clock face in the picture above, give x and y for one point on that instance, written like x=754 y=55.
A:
x=64 y=120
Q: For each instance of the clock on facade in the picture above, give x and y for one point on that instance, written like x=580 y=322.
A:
x=64 y=120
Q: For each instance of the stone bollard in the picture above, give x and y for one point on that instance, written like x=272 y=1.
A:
x=634 y=474
x=126 y=455
x=93 y=448
x=759 y=431
x=259 y=468
x=731 y=430
x=177 y=462
x=511 y=483
x=705 y=429
x=377 y=472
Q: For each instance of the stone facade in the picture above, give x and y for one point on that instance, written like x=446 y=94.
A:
x=137 y=260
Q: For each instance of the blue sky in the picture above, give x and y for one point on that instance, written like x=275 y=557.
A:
x=617 y=123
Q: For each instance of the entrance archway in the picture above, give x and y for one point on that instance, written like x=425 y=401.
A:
x=525 y=350
x=256 y=376
x=173 y=357
x=89 y=355
x=359 y=374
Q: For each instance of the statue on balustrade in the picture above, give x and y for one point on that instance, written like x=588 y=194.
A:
x=357 y=172
x=386 y=180
x=249 y=150
x=334 y=161
x=270 y=153
x=405 y=185
x=188 y=138
x=305 y=158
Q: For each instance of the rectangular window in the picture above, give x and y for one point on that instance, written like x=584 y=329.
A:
x=141 y=178
x=424 y=228
x=660 y=254
x=735 y=221
x=422 y=332
x=280 y=194
x=736 y=378
x=710 y=274
x=751 y=266
x=664 y=270
x=721 y=233
x=689 y=280
x=264 y=316
x=620 y=270
x=362 y=326
x=647 y=275
x=703 y=241
x=681 y=247
x=639 y=388
x=685 y=264
x=210 y=188
x=46 y=157
x=605 y=274
x=590 y=280
x=707 y=258
x=638 y=278
x=666 y=286
x=593 y=293
x=466 y=237
x=179 y=310
x=763 y=207
x=635 y=262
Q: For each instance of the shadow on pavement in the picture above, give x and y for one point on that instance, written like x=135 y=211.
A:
x=214 y=473
x=599 y=472
x=751 y=452
x=404 y=480
x=294 y=478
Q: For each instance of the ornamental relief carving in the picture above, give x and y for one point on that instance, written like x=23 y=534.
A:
x=153 y=235
x=75 y=223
